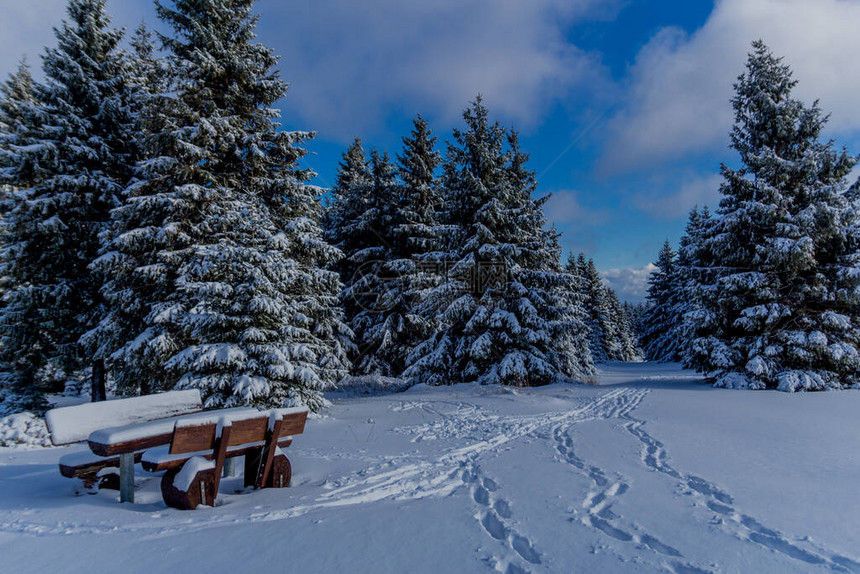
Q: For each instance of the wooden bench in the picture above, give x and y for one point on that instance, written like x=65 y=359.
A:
x=69 y=425
x=195 y=457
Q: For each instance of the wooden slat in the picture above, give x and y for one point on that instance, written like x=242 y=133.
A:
x=293 y=424
x=72 y=471
x=249 y=430
x=129 y=446
x=193 y=438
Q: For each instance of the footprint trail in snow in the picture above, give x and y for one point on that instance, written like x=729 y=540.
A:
x=494 y=514
x=597 y=505
x=738 y=524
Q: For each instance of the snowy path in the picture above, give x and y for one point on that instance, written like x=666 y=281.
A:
x=567 y=478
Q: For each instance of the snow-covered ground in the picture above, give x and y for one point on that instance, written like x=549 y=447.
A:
x=650 y=471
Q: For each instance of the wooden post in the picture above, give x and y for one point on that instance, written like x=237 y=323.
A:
x=268 y=454
x=126 y=477
x=97 y=382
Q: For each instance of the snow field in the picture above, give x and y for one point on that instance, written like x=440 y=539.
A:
x=652 y=471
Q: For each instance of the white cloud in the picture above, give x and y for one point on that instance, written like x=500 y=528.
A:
x=564 y=207
x=680 y=86
x=27 y=27
x=630 y=284
x=698 y=191
x=351 y=63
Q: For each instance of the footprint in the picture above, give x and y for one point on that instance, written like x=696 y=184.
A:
x=524 y=548
x=785 y=547
x=617 y=489
x=702 y=486
x=490 y=484
x=502 y=508
x=847 y=563
x=481 y=496
x=608 y=529
x=515 y=569
x=494 y=526
x=681 y=568
x=756 y=526
x=658 y=546
x=719 y=508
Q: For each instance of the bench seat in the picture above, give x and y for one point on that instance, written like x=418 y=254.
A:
x=88 y=466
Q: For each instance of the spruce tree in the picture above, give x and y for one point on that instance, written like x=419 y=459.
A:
x=18 y=128
x=412 y=269
x=216 y=261
x=385 y=225
x=503 y=319
x=610 y=333
x=780 y=307
x=67 y=179
x=659 y=324
x=692 y=269
x=349 y=198
x=368 y=294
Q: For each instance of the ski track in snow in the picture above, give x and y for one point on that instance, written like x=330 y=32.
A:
x=733 y=521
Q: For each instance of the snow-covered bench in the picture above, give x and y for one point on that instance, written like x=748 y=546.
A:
x=198 y=449
x=69 y=425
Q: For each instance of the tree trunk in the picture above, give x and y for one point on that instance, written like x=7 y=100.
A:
x=98 y=392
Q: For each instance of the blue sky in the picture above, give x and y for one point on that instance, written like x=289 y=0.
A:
x=623 y=104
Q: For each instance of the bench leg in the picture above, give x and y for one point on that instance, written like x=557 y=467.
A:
x=126 y=477
x=281 y=473
x=202 y=490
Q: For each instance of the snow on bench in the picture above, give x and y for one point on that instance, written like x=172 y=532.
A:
x=109 y=441
x=75 y=424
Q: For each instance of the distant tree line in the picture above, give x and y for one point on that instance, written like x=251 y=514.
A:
x=158 y=230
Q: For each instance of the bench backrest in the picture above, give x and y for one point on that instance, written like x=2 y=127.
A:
x=294 y=420
x=245 y=429
x=193 y=438
x=74 y=424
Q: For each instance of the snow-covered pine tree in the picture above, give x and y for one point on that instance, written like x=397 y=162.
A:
x=413 y=251
x=503 y=317
x=384 y=226
x=660 y=321
x=692 y=269
x=66 y=182
x=216 y=260
x=622 y=345
x=781 y=310
x=588 y=287
x=609 y=331
x=636 y=314
x=147 y=78
x=420 y=203
x=348 y=202
x=368 y=295
x=577 y=296
x=18 y=128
